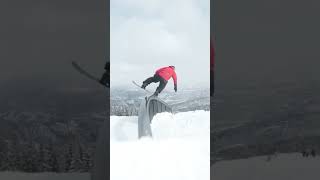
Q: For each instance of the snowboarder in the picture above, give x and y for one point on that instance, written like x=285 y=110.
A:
x=162 y=75
x=105 y=79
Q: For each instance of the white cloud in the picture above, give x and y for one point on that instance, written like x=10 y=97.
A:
x=148 y=34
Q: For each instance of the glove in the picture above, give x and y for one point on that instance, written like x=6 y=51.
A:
x=175 y=88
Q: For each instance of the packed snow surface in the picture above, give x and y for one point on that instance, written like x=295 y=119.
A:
x=178 y=150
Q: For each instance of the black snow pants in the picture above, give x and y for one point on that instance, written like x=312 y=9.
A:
x=156 y=78
x=105 y=78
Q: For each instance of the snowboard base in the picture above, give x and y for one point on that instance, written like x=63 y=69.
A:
x=87 y=74
x=140 y=86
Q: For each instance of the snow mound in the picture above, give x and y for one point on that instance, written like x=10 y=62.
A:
x=179 y=148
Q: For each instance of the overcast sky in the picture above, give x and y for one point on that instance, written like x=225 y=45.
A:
x=38 y=39
x=266 y=42
x=148 y=34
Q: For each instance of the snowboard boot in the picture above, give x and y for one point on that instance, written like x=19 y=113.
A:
x=156 y=93
x=144 y=85
x=105 y=79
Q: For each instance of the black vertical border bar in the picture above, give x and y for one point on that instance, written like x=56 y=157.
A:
x=212 y=65
x=101 y=168
x=108 y=96
x=212 y=47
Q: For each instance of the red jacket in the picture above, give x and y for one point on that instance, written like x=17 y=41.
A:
x=166 y=73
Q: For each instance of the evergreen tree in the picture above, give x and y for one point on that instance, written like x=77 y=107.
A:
x=52 y=159
x=27 y=159
x=75 y=161
x=41 y=159
x=86 y=162
x=68 y=158
x=12 y=157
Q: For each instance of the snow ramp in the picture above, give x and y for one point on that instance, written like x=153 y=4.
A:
x=149 y=107
x=178 y=150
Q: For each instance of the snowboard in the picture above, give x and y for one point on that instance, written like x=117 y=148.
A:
x=140 y=86
x=87 y=74
x=150 y=94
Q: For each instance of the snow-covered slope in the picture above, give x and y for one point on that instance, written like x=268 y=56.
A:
x=179 y=149
x=285 y=166
x=43 y=176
